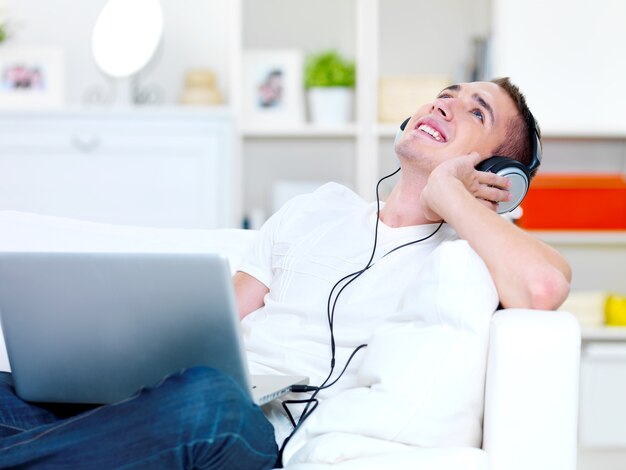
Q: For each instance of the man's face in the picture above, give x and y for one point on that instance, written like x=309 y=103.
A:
x=462 y=119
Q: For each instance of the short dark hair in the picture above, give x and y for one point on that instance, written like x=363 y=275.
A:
x=518 y=142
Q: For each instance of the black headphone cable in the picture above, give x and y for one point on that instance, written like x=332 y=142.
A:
x=312 y=402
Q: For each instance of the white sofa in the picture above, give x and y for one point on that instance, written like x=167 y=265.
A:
x=531 y=397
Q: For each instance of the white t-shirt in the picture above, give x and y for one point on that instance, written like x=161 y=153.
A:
x=424 y=311
x=302 y=251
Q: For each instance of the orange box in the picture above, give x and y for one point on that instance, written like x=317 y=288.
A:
x=566 y=201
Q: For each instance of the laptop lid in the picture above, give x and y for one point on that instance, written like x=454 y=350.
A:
x=96 y=327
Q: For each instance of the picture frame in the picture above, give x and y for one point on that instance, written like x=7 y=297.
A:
x=273 y=90
x=31 y=77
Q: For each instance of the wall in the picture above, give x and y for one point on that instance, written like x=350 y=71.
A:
x=195 y=35
x=305 y=25
x=426 y=37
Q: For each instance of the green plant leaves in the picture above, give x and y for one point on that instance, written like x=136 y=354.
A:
x=328 y=69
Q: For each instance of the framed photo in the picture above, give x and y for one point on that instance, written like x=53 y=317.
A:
x=31 y=77
x=273 y=93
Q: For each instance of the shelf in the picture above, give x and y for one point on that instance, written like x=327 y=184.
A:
x=303 y=131
x=616 y=133
x=134 y=112
x=581 y=237
x=603 y=333
x=310 y=130
x=388 y=130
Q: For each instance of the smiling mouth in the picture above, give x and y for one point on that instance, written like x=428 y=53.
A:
x=434 y=133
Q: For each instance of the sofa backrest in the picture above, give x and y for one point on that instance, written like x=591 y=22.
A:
x=20 y=231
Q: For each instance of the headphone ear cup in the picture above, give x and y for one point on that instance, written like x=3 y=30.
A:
x=399 y=133
x=516 y=172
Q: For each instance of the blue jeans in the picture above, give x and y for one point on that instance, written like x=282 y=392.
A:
x=198 y=418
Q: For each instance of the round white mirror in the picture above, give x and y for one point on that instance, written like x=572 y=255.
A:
x=126 y=35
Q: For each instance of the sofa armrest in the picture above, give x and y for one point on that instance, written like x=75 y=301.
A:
x=531 y=394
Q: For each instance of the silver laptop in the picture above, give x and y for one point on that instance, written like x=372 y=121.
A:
x=96 y=327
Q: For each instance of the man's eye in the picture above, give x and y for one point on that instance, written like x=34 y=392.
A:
x=445 y=95
x=479 y=114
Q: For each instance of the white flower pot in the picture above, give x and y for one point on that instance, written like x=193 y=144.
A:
x=331 y=105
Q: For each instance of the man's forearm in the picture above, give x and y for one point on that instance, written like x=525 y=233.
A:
x=527 y=272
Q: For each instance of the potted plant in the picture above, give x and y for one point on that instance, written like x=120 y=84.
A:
x=329 y=79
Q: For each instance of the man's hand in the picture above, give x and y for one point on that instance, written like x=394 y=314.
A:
x=460 y=172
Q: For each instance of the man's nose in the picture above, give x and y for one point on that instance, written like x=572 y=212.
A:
x=443 y=108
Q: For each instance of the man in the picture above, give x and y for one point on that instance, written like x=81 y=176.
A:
x=283 y=290
x=285 y=294
x=439 y=182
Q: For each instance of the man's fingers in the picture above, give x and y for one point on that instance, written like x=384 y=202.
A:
x=487 y=177
x=476 y=158
x=489 y=204
x=491 y=179
x=494 y=194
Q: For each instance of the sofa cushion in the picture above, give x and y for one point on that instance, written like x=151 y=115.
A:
x=352 y=452
x=421 y=381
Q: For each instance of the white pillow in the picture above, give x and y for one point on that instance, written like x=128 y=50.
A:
x=421 y=382
x=363 y=453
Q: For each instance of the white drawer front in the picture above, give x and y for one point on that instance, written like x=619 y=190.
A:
x=602 y=420
x=162 y=173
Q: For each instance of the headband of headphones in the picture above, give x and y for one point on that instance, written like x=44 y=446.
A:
x=535 y=160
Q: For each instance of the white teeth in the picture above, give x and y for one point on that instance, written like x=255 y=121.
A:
x=429 y=130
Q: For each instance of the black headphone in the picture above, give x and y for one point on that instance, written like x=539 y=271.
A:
x=516 y=171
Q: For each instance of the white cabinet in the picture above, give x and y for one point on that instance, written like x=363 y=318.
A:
x=602 y=422
x=162 y=168
x=602 y=418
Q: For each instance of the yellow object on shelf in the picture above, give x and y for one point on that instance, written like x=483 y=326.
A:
x=200 y=89
x=615 y=310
